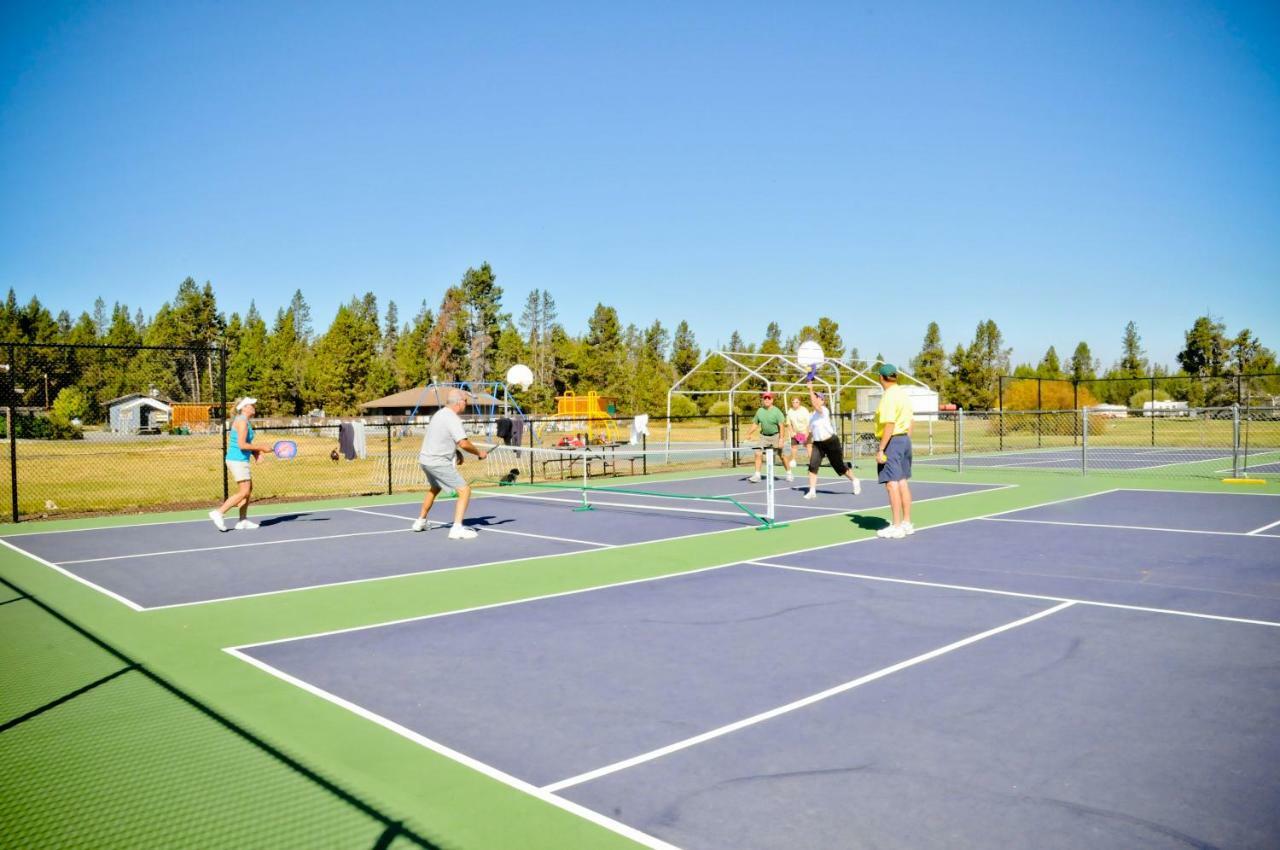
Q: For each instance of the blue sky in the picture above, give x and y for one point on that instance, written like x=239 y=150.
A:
x=1061 y=168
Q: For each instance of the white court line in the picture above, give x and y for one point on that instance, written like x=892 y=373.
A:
x=1199 y=492
x=489 y=529
x=135 y=606
x=233 y=546
x=642 y=838
x=1130 y=527
x=416 y=499
x=800 y=703
x=1264 y=528
x=990 y=489
x=1222 y=618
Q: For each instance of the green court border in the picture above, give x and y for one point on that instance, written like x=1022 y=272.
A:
x=432 y=793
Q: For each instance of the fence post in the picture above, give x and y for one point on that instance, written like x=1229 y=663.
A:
x=1084 y=441
x=1075 y=410
x=1039 y=414
x=733 y=435
x=1235 y=441
x=13 y=429
x=959 y=440
x=388 y=426
x=529 y=423
x=222 y=416
x=644 y=453
x=1153 y=412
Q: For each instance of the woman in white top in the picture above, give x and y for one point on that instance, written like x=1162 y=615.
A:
x=823 y=442
x=798 y=422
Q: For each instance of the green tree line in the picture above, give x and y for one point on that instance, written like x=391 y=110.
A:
x=366 y=352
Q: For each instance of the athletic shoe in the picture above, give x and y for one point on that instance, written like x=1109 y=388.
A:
x=811 y=495
x=420 y=524
x=217 y=520
x=908 y=528
x=857 y=487
x=246 y=525
x=461 y=532
x=891 y=532
x=790 y=477
x=755 y=478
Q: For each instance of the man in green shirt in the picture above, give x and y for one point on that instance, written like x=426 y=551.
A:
x=769 y=423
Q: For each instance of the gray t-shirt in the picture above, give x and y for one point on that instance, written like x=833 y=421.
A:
x=444 y=431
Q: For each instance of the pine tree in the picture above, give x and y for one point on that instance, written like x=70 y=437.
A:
x=1050 y=366
x=930 y=365
x=1132 y=362
x=1081 y=365
x=684 y=350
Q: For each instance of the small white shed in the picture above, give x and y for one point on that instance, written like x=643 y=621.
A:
x=137 y=414
x=924 y=401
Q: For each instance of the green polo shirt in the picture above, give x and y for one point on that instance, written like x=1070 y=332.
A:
x=770 y=420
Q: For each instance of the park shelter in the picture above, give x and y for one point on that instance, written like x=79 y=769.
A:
x=425 y=401
x=137 y=414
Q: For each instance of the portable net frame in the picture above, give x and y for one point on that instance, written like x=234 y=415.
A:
x=749 y=373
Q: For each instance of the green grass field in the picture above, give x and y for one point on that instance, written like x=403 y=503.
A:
x=129 y=765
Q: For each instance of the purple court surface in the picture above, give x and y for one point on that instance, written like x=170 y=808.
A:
x=1098 y=672
x=1099 y=458
x=179 y=563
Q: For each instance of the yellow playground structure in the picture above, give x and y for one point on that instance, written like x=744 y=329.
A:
x=591 y=414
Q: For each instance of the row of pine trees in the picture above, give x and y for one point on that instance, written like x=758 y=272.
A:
x=366 y=352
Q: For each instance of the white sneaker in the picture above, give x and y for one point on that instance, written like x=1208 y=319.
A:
x=811 y=495
x=790 y=477
x=246 y=525
x=892 y=532
x=907 y=528
x=217 y=520
x=420 y=524
x=755 y=478
x=461 y=532
x=857 y=487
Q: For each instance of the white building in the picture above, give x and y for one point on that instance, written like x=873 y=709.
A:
x=1165 y=408
x=924 y=401
x=137 y=413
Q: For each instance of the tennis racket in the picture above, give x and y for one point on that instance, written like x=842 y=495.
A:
x=285 y=449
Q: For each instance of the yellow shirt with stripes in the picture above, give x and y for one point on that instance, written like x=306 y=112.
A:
x=895 y=407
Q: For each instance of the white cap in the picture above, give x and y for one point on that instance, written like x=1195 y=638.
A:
x=245 y=402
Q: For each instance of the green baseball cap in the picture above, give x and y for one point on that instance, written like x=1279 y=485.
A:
x=888 y=370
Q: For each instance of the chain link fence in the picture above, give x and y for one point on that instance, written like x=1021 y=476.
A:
x=112 y=429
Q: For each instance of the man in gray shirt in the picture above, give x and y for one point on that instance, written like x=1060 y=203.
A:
x=443 y=439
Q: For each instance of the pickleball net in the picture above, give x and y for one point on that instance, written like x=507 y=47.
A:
x=621 y=477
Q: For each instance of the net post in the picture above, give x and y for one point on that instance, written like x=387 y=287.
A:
x=1084 y=440
x=1235 y=441
x=733 y=433
x=768 y=486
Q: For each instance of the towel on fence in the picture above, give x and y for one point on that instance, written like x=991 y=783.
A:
x=359 y=440
x=347 y=440
x=639 y=427
x=517 y=430
x=504 y=430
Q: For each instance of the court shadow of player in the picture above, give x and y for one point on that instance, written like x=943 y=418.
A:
x=868 y=523
x=486 y=521
x=276 y=520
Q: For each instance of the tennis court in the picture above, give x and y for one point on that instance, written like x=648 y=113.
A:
x=1107 y=458
x=1029 y=668
x=1094 y=672
x=159 y=565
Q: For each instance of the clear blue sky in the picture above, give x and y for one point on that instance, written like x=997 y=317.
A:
x=1059 y=167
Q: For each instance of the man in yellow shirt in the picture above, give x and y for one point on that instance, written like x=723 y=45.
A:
x=893 y=462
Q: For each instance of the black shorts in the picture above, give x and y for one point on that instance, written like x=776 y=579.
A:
x=831 y=449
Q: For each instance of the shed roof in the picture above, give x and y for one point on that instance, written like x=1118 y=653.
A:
x=429 y=397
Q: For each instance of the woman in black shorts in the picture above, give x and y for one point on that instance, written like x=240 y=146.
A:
x=824 y=442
